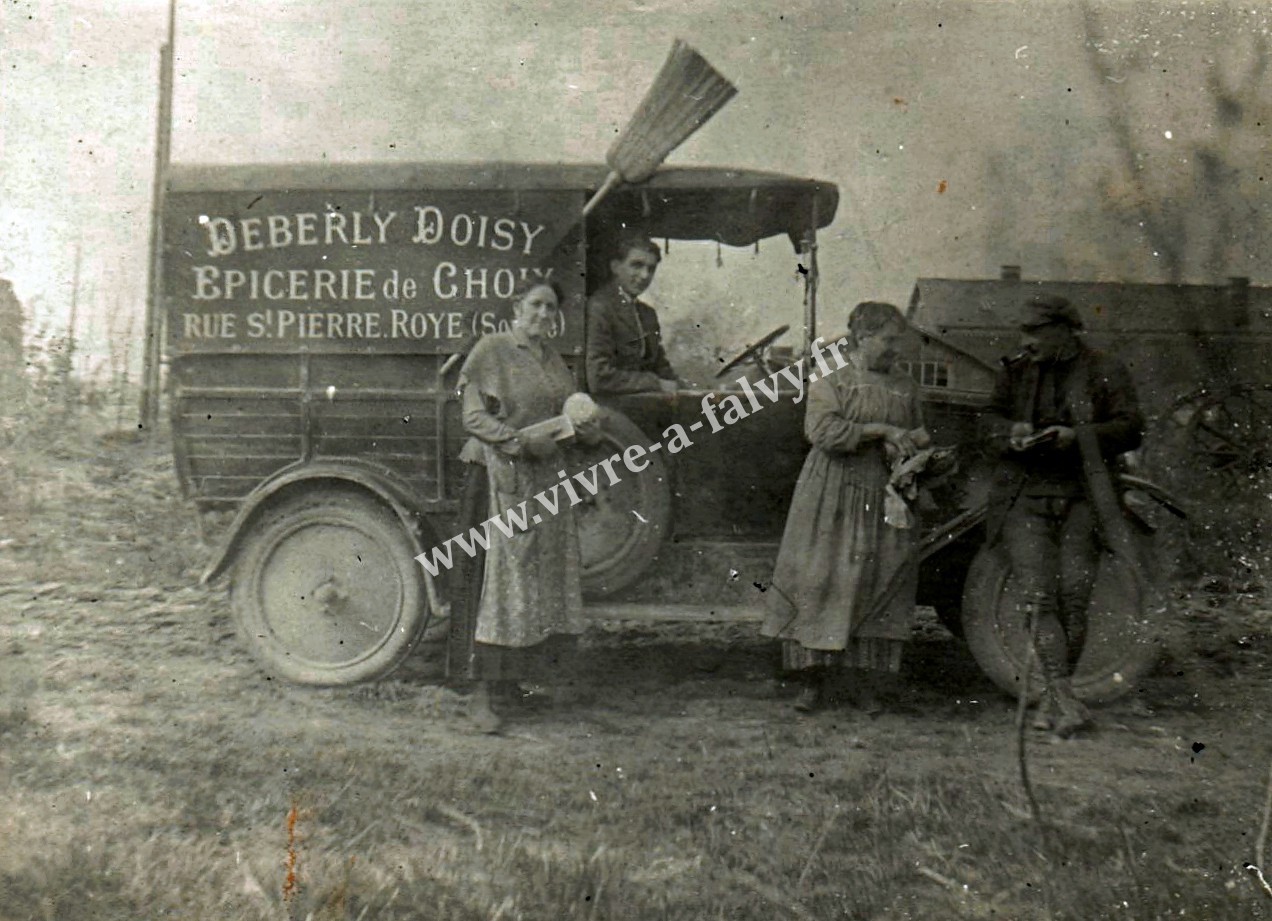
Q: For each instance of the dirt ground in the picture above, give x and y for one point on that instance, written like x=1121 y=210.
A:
x=150 y=769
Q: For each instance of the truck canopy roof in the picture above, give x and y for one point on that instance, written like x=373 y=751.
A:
x=737 y=207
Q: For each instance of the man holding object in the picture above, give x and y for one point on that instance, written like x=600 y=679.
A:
x=1054 y=395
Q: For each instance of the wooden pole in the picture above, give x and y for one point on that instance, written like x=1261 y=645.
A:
x=611 y=182
x=152 y=374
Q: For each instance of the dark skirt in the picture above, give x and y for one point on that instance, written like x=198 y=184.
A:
x=547 y=662
x=843 y=588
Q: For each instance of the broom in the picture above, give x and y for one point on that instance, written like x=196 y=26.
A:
x=686 y=92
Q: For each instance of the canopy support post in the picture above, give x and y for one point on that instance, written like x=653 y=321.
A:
x=808 y=263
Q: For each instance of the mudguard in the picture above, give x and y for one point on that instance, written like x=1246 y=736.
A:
x=384 y=483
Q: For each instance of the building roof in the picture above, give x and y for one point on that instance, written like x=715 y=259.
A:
x=945 y=304
x=930 y=337
x=1145 y=323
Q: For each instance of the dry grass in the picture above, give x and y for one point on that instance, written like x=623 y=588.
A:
x=714 y=839
x=158 y=768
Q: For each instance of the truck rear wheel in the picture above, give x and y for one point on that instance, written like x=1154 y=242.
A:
x=1120 y=645
x=623 y=525
x=326 y=590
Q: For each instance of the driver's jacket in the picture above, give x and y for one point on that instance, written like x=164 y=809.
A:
x=624 y=344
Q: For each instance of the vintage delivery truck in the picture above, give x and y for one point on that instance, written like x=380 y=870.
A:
x=317 y=318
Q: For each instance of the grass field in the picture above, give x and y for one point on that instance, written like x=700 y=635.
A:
x=156 y=772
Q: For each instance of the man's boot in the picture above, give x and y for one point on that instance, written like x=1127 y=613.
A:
x=1060 y=710
x=1073 y=714
x=1045 y=716
x=1048 y=648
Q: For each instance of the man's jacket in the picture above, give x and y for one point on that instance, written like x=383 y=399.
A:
x=1085 y=390
x=624 y=344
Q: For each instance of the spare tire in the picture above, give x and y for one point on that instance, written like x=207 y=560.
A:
x=621 y=524
x=1120 y=646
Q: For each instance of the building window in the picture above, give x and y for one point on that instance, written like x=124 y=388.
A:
x=929 y=373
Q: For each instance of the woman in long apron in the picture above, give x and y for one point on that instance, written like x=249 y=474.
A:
x=844 y=585
x=530 y=611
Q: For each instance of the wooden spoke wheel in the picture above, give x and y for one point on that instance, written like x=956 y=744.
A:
x=326 y=590
x=622 y=526
x=1122 y=626
x=1230 y=435
x=1215 y=441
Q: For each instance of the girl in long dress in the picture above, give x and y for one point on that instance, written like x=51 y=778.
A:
x=843 y=588
x=529 y=611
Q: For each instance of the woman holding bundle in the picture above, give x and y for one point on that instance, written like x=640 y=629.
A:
x=525 y=609
x=843 y=589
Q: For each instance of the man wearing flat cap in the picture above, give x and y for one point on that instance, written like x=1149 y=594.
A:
x=1060 y=413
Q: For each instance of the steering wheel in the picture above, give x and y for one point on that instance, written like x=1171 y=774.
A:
x=754 y=351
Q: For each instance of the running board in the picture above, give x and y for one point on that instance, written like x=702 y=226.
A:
x=685 y=613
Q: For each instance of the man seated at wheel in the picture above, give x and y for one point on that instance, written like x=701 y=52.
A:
x=1058 y=415
x=624 y=342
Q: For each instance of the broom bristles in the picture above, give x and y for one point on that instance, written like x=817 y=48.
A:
x=686 y=92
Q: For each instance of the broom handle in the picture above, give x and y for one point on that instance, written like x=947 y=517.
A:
x=613 y=179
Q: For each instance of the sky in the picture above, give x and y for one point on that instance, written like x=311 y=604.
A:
x=1116 y=141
